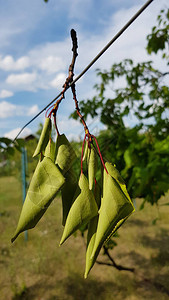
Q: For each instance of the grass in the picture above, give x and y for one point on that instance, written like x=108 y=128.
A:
x=40 y=269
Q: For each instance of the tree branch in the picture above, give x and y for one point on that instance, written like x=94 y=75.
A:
x=113 y=264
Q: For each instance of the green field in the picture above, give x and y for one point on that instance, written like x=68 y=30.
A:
x=40 y=269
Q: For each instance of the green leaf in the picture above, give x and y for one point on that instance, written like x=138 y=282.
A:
x=115 y=208
x=10 y=150
x=65 y=153
x=116 y=175
x=68 y=192
x=86 y=151
x=83 y=209
x=5 y=141
x=50 y=150
x=92 y=167
x=44 y=138
x=92 y=228
x=20 y=142
x=46 y=182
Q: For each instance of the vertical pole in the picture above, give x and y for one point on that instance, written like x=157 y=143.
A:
x=24 y=167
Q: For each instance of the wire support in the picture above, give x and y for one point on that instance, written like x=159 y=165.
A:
x=120 y=32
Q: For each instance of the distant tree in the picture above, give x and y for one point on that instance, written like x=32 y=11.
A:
x=141 y=152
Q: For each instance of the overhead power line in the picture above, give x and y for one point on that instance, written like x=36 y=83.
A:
x=135 y=16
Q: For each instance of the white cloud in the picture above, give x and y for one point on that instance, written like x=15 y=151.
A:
x=74 y=137
x=69 y=126
x=58 y=81
x=33 y=110
x=5 y=94
x=8 y=63
x=7 y=109
x=23 y=80
x=10 y=110
x=52 y=64
x=13 y=133
x=46 y=59
x=80 y=6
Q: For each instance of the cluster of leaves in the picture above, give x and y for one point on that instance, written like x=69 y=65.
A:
x=141 y=152
x=7 y=152
x=81 y=200
x=144 y=96
x=142 y=159
x=159 y=38
x=7 y=146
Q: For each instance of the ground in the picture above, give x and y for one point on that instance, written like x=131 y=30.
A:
x=40 y=269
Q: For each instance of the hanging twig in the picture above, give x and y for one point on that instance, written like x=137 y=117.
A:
x=70 y=79
x=91 y=63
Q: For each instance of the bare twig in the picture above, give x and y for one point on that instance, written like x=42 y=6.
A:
x=138 y=13
x=70 y=79
x=113 y=263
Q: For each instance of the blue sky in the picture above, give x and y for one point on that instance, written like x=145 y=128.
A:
x=35 y=52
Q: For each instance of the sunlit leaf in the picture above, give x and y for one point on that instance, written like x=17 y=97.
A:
x=50 y=150
x=83 y=209
x=115 y=208
x=46 y=182
x=68 y=193
x=92 y=167
x=44 y=138
x=65 y=154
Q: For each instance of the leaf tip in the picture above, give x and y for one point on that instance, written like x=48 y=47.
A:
x=14 y=238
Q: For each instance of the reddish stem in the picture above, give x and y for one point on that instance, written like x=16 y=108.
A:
x=48 y=110
x=54 y=117
x=99 y=153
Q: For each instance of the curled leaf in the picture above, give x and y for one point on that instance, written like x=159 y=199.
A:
x=90 y=245
x=46 y=182
x=92 y=167
x=65 y=153
x=91 y=235
x=68 y=193
x=116 y=175
x=44 y=138
x=82 y=210
x=50 y=150
x=86 y=151
x=115 y=208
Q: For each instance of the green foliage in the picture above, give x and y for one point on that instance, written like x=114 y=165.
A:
x=159 y=37
x=144 y=96
x=9 y=150
x=140 y=152
x=82 y=206
x=8 y=146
